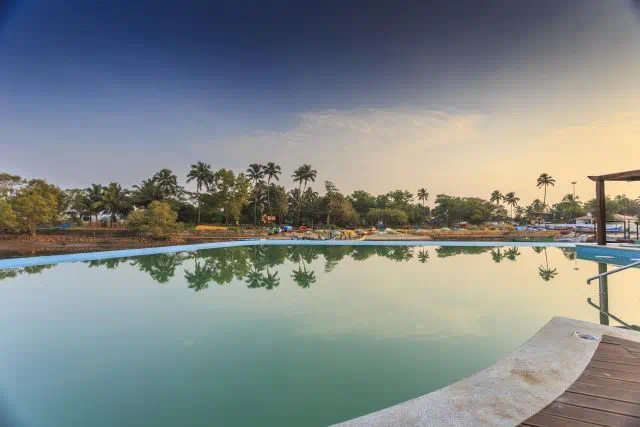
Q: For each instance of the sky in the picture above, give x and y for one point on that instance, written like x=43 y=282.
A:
x=460 y=97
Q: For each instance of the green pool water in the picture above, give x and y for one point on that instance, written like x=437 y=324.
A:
x=274 y=335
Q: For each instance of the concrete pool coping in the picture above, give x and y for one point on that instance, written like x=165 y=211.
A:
x=91 y=256
x=510 y=391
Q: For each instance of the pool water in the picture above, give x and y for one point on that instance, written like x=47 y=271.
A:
x=274 y=335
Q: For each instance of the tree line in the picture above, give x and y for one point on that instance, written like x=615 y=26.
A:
x=160 y=204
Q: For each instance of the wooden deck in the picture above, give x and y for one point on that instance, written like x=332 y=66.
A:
x=606 y=394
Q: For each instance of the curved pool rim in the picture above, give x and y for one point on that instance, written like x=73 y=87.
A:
x=91 y=256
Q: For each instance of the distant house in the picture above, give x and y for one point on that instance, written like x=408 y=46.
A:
x=618 y=220
x=585 y=220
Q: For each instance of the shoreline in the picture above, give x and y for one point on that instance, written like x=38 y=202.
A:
x=14 y=246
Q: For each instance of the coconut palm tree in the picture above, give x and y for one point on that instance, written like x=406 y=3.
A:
x=256 y=173
x=93 y=195
x=166 y=183
x=545 y=180
x=202 y=174
x=511 y=200
x=114 y=201
x=310 y=200
x=303 y=174
x=496 y=197
x=423 y=256
x=423 y=196
x=272 y=171
x=145 y=193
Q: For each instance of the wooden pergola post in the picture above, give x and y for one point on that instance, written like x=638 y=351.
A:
x=602 y=213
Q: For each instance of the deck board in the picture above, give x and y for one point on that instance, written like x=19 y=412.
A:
x=606 y=394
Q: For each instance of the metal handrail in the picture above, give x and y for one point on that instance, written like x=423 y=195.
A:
x=607 y=273
x=617 y=319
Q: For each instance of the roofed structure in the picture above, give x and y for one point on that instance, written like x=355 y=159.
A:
x=628 y=176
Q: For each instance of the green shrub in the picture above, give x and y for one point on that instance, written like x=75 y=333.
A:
x=7 y=217
x=158 y=220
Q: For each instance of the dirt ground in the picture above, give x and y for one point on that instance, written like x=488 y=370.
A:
x=15 y=246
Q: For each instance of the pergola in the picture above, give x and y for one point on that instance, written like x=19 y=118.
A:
x=601 y=218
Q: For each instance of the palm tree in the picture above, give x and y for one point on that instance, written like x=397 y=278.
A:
x=511 y=200
x=303 y=174
x=496 y=196
x=310 y=200
x=256 y=173
x=272 y=171
x=423 y=196
x=93 y=195
x=145 y=193
x=166 y=183
x=330 y=197
x=114 y=201
x=203 y=175
x=545 y=180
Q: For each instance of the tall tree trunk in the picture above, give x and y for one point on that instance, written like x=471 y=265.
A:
x=299 y=202
x=545 y=199
x=199 y=203
x=255 y=208
x=268 y=197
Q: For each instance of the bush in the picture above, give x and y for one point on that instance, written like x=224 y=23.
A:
x=390 y=217
x=7 y=217
x=158 y=220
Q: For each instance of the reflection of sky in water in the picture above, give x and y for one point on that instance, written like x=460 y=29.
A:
x=275 y=335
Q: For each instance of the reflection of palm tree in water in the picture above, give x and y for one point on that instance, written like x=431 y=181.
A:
x=496 y=255
x=161 y=267
x=270 y=281
x=544 y=271
x=512 y=253
x=423 y=256
x=302 y=277
x=538 y=249
x=200 y=277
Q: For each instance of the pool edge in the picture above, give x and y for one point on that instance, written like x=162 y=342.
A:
x=91 y=256
x=509 y=391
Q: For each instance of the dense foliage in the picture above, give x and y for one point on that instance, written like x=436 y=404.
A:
x=158 y=220
x=256 y=197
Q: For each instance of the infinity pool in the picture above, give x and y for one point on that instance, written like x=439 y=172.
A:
x=274 y=335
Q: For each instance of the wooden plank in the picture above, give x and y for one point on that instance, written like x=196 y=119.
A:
x=618 y=176
x=614 y=375
x=614 y=366
x=601 y=404
x=546 y=420
x=613 y=349
x=590 y=415
x=606 y=392
x=604 y=357
x=609 y=382
x=620 y=341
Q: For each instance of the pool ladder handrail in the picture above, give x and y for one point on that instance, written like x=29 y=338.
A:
x=615 y=270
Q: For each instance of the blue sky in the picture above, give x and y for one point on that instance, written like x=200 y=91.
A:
x=451 y=95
